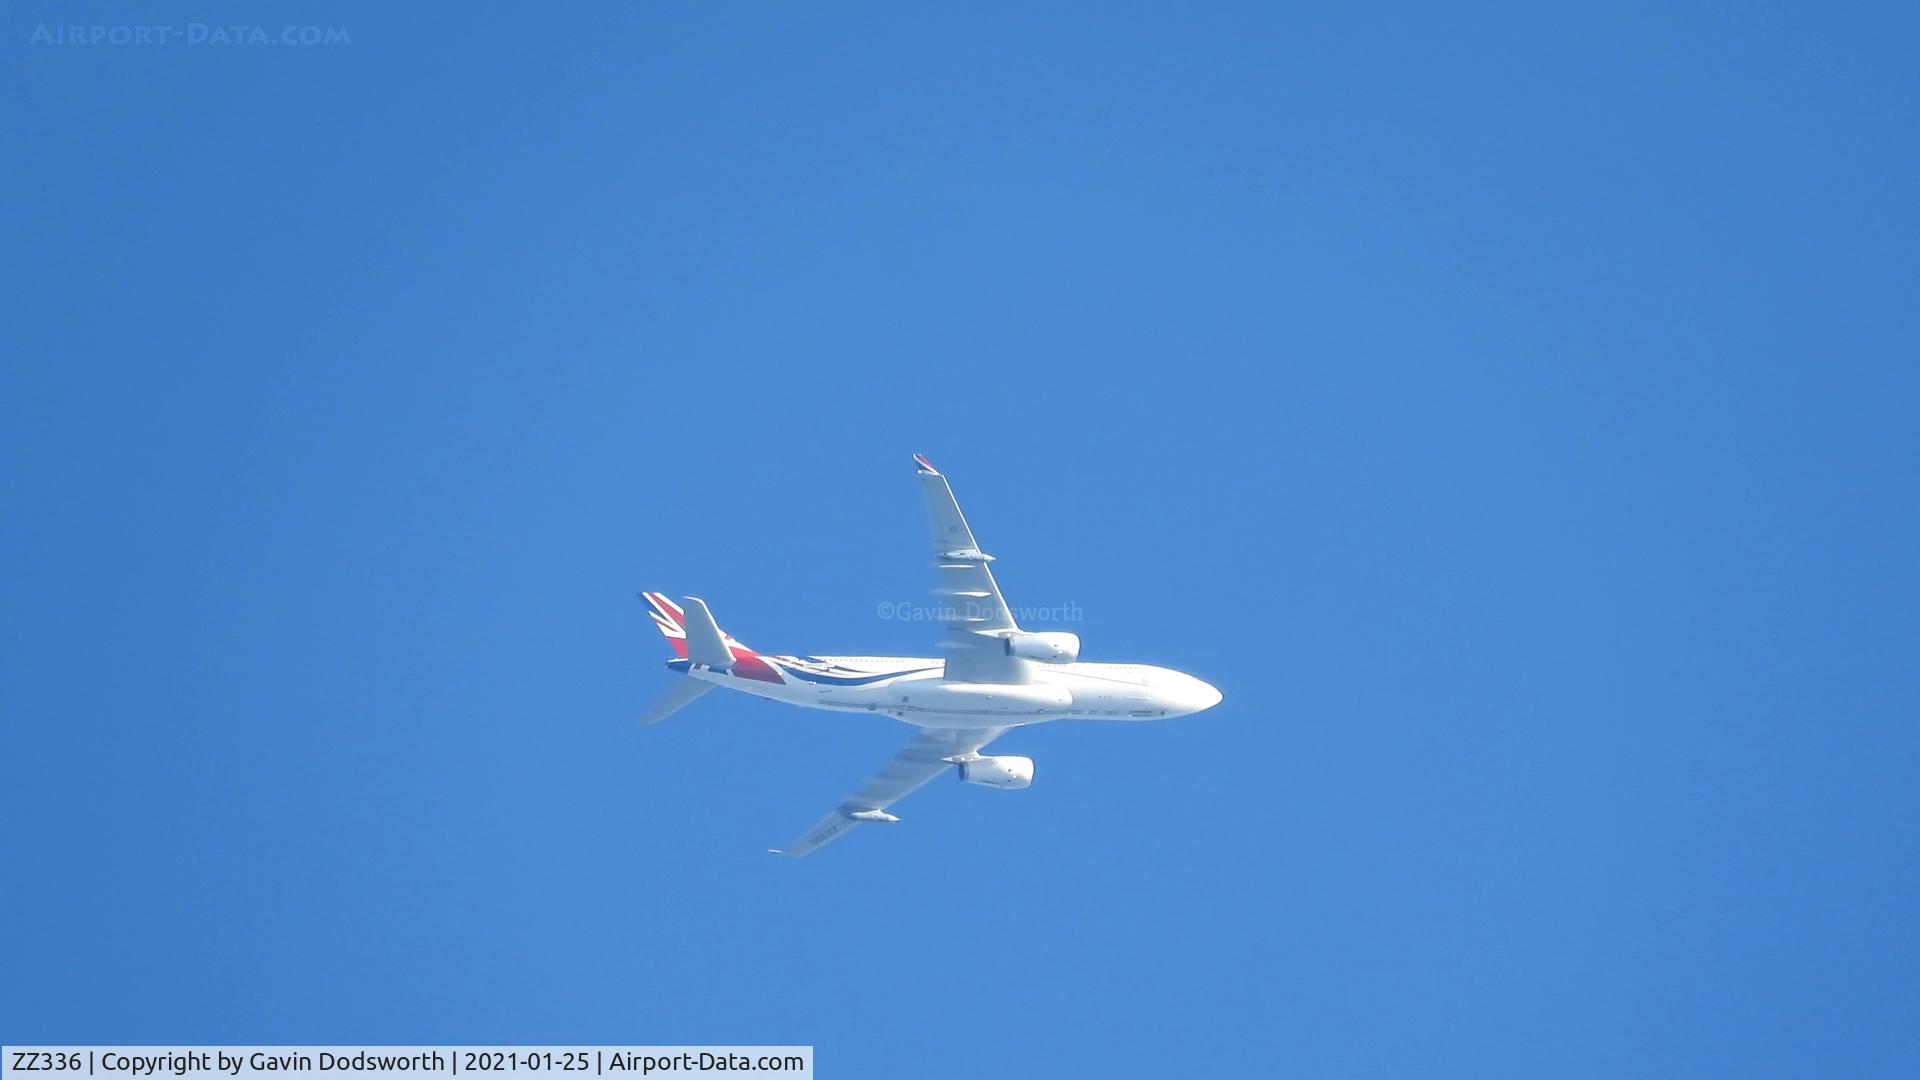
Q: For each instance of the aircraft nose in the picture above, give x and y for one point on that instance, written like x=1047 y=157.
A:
x=1198 y=697
x=1208 y=695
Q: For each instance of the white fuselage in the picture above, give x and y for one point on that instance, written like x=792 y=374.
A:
x=913 y=689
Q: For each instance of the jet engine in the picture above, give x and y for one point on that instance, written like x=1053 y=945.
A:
x=1000 y=772
x=1053 y=647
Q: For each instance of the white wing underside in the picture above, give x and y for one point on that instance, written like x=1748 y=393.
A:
x=974 y=612
x=976 y=618
x=918 y=762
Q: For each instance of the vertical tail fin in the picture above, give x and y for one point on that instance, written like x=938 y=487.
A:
x=695 y=637
x=693 y=633
x=670 y=619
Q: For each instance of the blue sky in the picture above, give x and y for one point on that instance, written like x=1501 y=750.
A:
x=1511 y=411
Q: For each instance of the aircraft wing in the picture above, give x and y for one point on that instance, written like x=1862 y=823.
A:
x=918 y=762
x=965 y=592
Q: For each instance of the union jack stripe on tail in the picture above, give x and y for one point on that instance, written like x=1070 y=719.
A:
x=671 y=620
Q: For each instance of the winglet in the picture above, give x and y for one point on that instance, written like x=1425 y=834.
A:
x=925 y=465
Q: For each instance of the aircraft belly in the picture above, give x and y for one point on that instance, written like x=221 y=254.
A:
x=966 y=721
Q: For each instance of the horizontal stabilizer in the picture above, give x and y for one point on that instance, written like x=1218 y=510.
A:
x=682 y=694
x=705 y=644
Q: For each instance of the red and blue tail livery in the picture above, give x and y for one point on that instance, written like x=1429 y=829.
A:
x=671 y=620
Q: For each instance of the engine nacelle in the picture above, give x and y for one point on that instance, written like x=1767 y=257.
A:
x=1000 y=772
x=1052 y=647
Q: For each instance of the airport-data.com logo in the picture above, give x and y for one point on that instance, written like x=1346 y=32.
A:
x=215 y=35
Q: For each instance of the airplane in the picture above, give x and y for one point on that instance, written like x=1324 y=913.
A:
x=990 y=676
